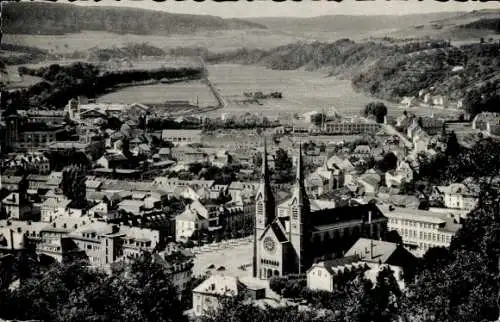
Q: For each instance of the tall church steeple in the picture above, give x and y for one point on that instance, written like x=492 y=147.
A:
x=299 y=186
x=300 y=218
x=265 y=208
x=265 y=192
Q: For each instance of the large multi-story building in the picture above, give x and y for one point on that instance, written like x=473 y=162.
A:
x=354 y=126
x=39 y=137
x=181 y=137
x=287 y=241
x=104 y=243
x=421 y=229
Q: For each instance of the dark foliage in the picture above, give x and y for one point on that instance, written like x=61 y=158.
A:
x=47 y=18
x=377 y=110
x=74 y=292
x=65 y=82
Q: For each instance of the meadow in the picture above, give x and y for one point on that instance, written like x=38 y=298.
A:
x=303 y=91
x=159 y=93
x=215 y=40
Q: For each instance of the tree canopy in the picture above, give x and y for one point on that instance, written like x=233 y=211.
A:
x=377 y=110
x=75 y=292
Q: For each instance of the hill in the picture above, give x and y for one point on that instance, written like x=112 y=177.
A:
x=443 y=25
x=53 y=19
x=466 y=26
x=352 y=23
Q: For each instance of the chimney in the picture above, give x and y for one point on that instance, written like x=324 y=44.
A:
x=371 y=248
x=115 y=229
x=11 y=239
x=54 y=224
x=370 y=223
x=29 y=222
x=19 y=229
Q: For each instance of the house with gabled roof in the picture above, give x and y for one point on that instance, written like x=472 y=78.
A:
x=188 y=224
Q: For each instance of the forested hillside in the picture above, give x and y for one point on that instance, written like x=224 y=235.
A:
x=343 y=56
x=491 y=24
x=387 y=71
x=52 y=18
x=449 y=71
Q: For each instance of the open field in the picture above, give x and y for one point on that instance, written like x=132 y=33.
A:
x=12 y=79
x=302 y=90
x=231 y=258
x=215 y=41
x=159 y=93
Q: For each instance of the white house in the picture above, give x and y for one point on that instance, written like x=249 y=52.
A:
x=320 y=276
x=459 y=196
x=408 y=102
x=187 y=223
x=53 y=207
x=207 y=296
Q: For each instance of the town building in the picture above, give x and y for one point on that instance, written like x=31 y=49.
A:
x=487 y=121
x=421 y=229
x=38 y=137
x=321 y=275
x=366 y=255
x=195 y=218
x=14 y=183
x=29 y=162
x=351 y=126
x=458 y=196
x=15 y=208
x=106 y=243
x=207 y=296
x=56 y=117
x=287 y=239
x=182 y=137
x=179 y=265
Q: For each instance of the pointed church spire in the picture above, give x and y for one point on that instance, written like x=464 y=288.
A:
x=299 y=187
x=299 y=178
x=265 y=168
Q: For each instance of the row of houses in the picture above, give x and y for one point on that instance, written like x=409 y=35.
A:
x=101 y=244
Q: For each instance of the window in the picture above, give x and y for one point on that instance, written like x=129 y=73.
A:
x=295 y=213
x=319 y=273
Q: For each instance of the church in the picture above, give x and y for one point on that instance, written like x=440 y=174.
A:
x=290 y=236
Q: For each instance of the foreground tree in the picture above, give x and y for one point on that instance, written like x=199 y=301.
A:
x=141 y=291
x=73 y=183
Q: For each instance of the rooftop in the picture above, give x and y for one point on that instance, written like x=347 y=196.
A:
x=219 y=285
x=371 y=250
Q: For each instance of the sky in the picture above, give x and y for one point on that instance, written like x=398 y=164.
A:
x=304 y=8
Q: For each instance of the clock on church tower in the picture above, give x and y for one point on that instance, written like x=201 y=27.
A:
x=269 y=245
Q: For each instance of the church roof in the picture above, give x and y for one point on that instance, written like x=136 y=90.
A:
x=342 y=214
x=278 y=231
x=330 y=265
